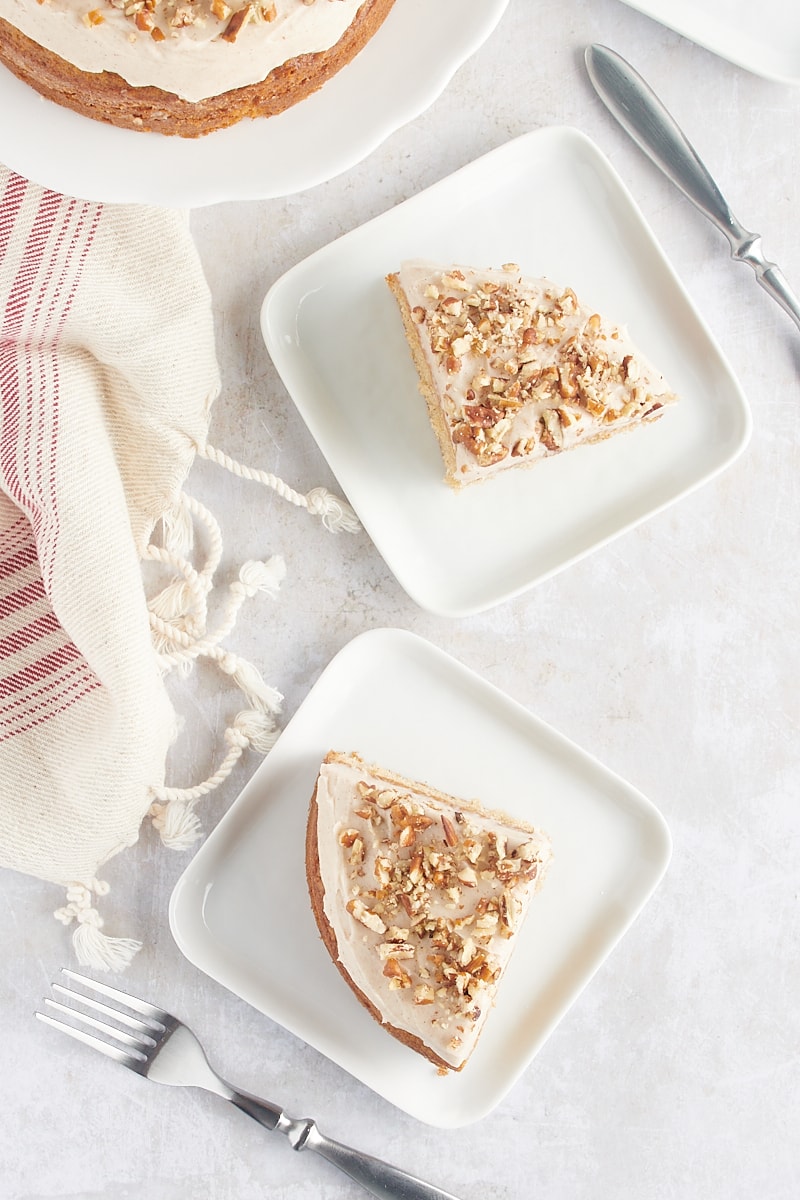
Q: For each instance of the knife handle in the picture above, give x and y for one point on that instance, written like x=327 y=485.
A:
x=642 y=115
x=747 y=249
x=774 y=284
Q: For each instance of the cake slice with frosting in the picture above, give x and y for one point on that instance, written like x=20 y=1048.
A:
x=514 y=370
x=419 y=898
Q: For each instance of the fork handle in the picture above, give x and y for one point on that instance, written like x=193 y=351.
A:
x=378 y=1177
x=268 y=1115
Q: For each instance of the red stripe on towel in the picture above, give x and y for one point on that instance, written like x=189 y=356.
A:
x=32 y=319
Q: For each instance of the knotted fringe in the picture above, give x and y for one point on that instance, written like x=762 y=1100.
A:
x=179 y=627
x=178 y=621
x=336 y=514
x=93 y=948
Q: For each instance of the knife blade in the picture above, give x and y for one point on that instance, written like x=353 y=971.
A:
x=643 y=116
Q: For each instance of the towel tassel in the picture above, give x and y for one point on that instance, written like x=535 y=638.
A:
x=94 y=949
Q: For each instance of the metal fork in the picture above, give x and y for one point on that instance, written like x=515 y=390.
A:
x=160 y=1047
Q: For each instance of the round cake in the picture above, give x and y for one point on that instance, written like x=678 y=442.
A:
x=184 y=67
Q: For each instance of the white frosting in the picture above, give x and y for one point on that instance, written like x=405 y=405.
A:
x=450 y=1020
x=192 y=61
x=621 y=401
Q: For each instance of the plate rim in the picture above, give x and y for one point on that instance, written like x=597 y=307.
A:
x=734 y=49
x=284 y=360
x=247 y=803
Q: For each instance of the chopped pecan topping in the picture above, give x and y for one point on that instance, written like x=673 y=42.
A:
x=532 y=351
x=422 y=871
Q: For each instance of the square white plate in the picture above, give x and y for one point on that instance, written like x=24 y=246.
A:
x=334 y=333
x=764 y=39
x=241 y=913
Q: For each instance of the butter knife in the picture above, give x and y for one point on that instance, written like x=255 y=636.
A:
x=642 y=115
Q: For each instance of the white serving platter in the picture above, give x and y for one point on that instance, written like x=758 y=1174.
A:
x=763 y=38
x=240 y=911
x=552 y=203
x=397 y=75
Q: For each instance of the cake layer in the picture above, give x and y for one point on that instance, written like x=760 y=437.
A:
x=189 y=55
x=178 y=67
x=514 y=370
x=419 y=898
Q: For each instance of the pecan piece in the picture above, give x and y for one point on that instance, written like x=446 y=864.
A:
x=552 y=435
x=482 y=416
x=450 y=835
x=395 y=973
x=236 y=24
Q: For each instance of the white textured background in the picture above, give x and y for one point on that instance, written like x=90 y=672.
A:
x=672 y=655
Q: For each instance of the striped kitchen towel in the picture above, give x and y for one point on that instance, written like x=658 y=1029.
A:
x=107 y=378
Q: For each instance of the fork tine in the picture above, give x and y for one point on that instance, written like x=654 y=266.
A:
x=147 y=1028
x=140 y=1006
x=126 y=1057
x=141 y=1045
